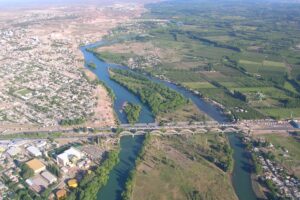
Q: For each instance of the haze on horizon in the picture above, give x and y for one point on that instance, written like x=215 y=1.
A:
x=40 y=3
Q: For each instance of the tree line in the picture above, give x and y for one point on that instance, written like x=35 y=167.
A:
x=92 y=182
x=126 y=194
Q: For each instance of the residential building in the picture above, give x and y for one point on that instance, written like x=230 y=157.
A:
x=49 y=177
x=69 y=156
x=34 y=151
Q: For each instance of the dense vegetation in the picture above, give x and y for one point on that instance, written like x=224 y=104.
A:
x=158 y=97
x=94 y=181
x=54 y=170
x=132 y=112
x=91 y=65
x=70 y=122
x=26 y=172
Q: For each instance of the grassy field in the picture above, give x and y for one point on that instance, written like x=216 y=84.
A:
x=290 y=143
x=282 y=112
x=290 y=87
x=198 y=85
x=23 y=92
x=169 y=172
x=189 y=112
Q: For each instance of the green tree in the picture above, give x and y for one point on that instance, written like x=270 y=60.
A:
x=26 y=172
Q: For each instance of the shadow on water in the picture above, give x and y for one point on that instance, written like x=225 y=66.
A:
x=247 y=167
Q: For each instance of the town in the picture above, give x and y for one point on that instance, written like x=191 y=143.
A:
x=43 y=80
x=48 y=168
x=270 y=171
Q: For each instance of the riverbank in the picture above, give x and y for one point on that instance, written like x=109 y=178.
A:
x=103 y=111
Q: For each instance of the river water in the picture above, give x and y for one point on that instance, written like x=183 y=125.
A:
x=241 y=176
x=121 y=93
x=130 y=145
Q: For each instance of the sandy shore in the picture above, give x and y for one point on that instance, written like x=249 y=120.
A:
x=104 y=112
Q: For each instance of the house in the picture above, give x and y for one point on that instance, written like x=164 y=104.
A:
x=37 y=183
x=34 y=151
x=69 y=156
x=13 y=151
x=49 y=177
x=41 y=144
x=73 y=183
x=36 y=165
x=61 y=194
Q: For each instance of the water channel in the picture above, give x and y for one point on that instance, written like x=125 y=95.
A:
x=130 y=146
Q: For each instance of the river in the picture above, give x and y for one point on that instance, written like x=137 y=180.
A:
x=241 y=176
x=130 y=146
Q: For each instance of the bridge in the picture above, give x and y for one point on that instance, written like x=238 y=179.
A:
x=178 y=128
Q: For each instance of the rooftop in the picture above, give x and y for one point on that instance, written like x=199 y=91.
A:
x=61 y=193
x=35 y=164
x=70 y=152
x=35 y=151
x=49 y=177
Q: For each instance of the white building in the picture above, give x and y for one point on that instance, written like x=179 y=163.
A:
x=49 y=177
x=41 y=144
x=34 y=151
x=68 y=156
x=13 y=151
